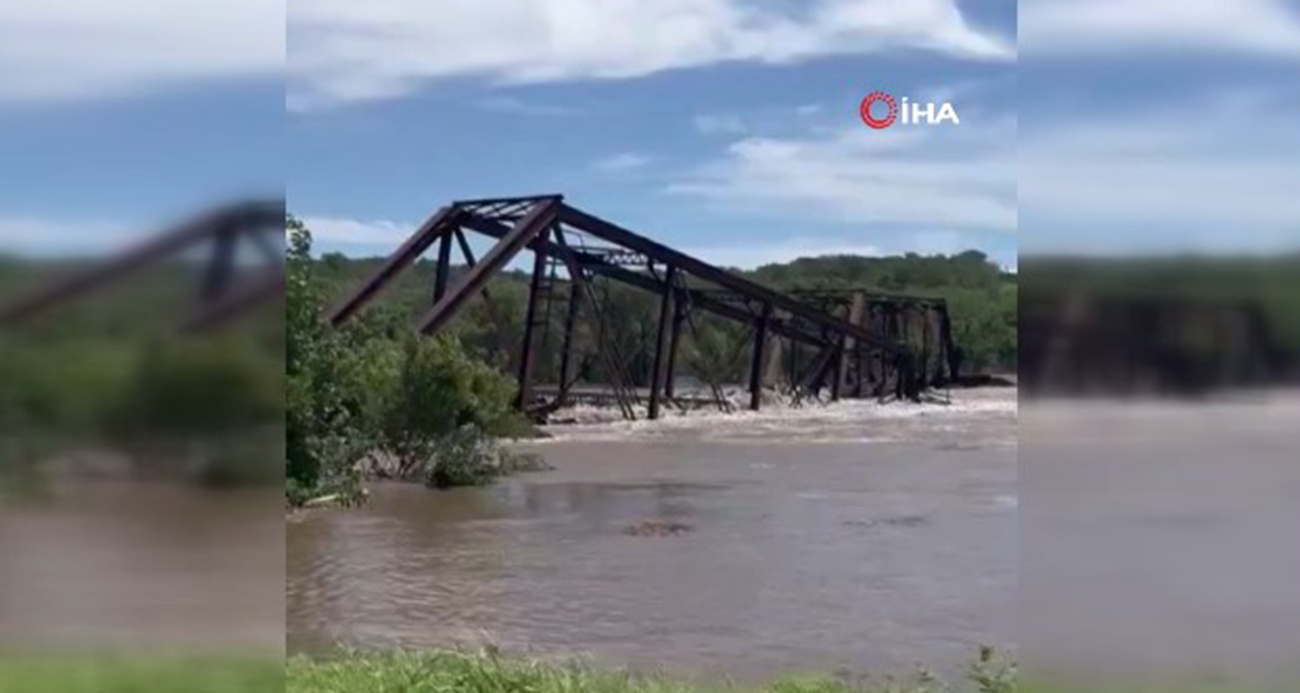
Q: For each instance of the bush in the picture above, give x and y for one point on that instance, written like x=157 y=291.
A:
x=420 y=408
x=434 y=411
x=325 y=432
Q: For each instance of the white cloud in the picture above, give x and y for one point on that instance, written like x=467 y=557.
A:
x=755 y=254
x=343 y=50
x=1215 y=173
x=88 y=48
x=510 y=104
x=1254 y=27
x=947 y=176
x=344 y=231
x=624 y=161
x=33 y=236
x=719 y=124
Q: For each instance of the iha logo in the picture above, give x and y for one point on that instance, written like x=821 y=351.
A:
x=880 y=110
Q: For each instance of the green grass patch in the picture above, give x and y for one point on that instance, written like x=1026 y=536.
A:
x=123 y=674
x=487 y=672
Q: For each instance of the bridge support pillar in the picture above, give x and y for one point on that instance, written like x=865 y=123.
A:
x=670 y=382
x=530 y=323
x=837 y=370
x=566 y=350
x=443 y=271
x=756 y=362
x=662 y=342
x=849 y=349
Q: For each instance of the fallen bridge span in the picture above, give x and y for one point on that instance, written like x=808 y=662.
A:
x=574 y=253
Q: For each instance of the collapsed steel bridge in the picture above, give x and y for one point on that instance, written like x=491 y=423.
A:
x=588 y=249
x=237 y=247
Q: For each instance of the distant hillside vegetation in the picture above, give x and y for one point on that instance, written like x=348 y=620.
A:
x=981 y=298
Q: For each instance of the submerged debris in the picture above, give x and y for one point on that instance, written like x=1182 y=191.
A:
x=658 y=528
x=893 y=521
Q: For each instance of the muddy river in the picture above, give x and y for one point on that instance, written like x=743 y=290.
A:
x=858 y=536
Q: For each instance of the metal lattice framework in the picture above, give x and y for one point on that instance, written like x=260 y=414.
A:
x=232 y=280
x=588 y=247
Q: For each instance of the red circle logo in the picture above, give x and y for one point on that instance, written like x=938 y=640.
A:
x=872 y=121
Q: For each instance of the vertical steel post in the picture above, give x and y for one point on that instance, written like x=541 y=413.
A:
x=566 y=350
x=850 y=345
x=661 y=341
x=443 y=270
x=792 y=365
x=756 y=364
x=221 y=265
x=679 y=317
x=837 y=370
x=527 y=355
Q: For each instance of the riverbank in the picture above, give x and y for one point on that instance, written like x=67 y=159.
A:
x=488 y=672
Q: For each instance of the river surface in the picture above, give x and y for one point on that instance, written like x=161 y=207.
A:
x=1161 y=539
x=857 y=536
x=130 y=565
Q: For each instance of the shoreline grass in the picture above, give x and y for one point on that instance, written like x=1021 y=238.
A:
x=81 y=673
x=486 y=671
x=455 y=671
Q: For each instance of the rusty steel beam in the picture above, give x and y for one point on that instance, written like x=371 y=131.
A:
x=624 y=391
x=221 y=267
x=670 y=381
x=240 y=219
x=716 y=275
x=267 y=286
x=595 y=263
x=837 y=380
x=697 y=298
x=756 y=362
x=442 y=270
x=529 y=347
x=435 y=226
x=566 y=347
x=505 y=200
x=662 y=338
x=540 y=218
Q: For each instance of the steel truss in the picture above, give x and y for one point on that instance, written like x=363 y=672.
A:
x=558 y=234
x=233 y=280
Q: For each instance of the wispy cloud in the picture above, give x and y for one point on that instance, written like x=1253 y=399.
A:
x=1254 y=27
x=1158 y=179
x=345 y=51
x=353 y=232
x=510 y=104
x=719 y=124
x=756 y=254
x=32 y=236
x=623 y=161
x=947 y=177
x=88 y=48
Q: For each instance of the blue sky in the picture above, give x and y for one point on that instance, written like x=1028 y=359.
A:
x=740 y=142
x=1156 y=126
x=118 y=117
x=727 y=127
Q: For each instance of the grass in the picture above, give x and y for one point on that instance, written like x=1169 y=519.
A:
x=465 y=672
x=487 y=672
x=114 y=674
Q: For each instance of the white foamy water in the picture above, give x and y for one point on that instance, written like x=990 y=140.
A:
x=980 y=417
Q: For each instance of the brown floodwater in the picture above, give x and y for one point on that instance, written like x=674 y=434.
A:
x=127 y=565
x=858 y=536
